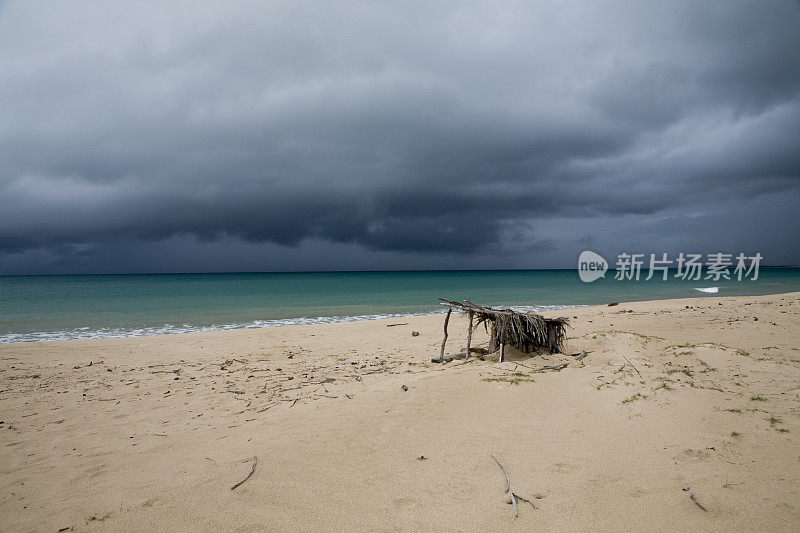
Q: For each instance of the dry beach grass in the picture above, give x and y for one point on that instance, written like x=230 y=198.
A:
x=152 y=433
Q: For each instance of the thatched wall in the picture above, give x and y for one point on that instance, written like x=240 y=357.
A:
x=527 y=332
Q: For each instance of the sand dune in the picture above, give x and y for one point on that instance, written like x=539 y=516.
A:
x=152 y=433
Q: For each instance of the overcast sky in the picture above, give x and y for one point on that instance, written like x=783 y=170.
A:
x=253 y=136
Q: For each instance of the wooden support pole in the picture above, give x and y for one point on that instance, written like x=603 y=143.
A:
x=469 y=332
x=502 y=345
x=444 y=340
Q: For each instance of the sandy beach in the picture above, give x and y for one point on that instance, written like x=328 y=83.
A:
x=354 y=428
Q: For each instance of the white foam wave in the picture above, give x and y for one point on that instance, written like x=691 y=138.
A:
x=711 y=290
x=169 y=329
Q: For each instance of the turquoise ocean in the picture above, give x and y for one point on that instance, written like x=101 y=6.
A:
x=94 y=306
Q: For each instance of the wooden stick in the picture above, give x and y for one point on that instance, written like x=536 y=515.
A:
x=633 y=367
x=502 y=351
x=520 y=498
x=393 y=325
x=508 y=480
x=469 y=331
x=449 y=358
x=444 y=340
x=691 y=495
x=514 y=502
x=553 y=367
x=255 y=461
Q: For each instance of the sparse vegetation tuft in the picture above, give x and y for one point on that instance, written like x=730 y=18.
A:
x=515 y=379
x=637 y=396
x=772 y=421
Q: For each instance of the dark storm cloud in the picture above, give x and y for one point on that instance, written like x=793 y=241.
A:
x=427 y=128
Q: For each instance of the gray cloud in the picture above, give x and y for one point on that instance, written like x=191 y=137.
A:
x=448 y=134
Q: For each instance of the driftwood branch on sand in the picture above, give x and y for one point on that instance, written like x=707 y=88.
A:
x=255 y=461
x=508 y=479
x=557 y=368
x=580 y=356
x=633 y=367
x=691 y=496
x=520 y=498
x=480 y=352
x=514 y=496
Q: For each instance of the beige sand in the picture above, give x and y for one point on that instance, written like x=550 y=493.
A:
x=151 y=433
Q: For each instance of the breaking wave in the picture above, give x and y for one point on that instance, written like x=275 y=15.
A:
x=710 y=290
x=171 y=329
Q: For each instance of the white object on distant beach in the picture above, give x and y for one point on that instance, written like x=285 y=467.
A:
x=707 y=289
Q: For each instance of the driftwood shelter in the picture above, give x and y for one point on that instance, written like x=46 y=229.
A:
x=527 y=332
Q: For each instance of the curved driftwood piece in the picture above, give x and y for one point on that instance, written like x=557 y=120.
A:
x=691 y=496
x=508 y=480
x=520 y=498
x=255 y=461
